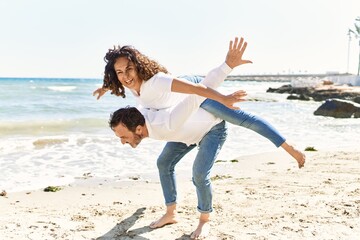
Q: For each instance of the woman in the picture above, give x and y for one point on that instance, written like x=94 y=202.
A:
x=143 y=68
x=145 y=78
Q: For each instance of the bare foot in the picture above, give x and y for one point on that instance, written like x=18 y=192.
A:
x=164 y=220
x=295 y=153
x=202 y=230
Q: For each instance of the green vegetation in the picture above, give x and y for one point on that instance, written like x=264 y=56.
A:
x=220 y=177
x=217 y=161
x=52 y=189
x=310 y=149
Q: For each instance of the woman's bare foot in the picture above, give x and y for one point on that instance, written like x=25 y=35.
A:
x=203 y=229
x=295 y=153
x=164 y=220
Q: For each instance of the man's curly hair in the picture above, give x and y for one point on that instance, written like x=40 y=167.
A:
x=144 y=66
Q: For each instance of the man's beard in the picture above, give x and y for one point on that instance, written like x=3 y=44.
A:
x=137 y=140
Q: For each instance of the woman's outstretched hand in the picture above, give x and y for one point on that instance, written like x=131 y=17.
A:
x=236 y=52
x=100 y=92
x=231 y=99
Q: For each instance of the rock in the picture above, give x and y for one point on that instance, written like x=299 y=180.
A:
x=338 y=108
x=298 y=97
x=327 y=82
x=356 y=99
x=283 y=89
x=321 y=93
x=339 y=92
x=341 y=101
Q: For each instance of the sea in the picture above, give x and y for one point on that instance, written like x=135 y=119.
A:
x=54 y=131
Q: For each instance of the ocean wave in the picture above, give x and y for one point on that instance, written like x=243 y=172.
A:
x=62 y=88
x=45 y=127
x=41 y=143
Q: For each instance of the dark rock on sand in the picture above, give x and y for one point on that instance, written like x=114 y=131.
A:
x=302 y=97
x=338 y=108
x=320 y=93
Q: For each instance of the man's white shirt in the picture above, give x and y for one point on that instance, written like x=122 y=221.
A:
x=185 y=121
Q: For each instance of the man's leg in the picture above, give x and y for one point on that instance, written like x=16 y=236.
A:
x=209 y=148
x=169 y=157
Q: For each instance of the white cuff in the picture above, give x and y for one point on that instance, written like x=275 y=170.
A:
x=225 y=68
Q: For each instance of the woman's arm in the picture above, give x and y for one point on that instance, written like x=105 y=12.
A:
x=182 y=111
x=100 y=92
x=183 y=86
x=216 y=76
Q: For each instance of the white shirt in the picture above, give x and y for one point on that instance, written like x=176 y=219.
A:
x=156 y=93
x=185 y=122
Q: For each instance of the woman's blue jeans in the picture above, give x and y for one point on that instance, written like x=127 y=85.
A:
x=208 y=149
x=239 y=117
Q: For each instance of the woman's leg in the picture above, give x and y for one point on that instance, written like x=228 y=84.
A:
x=250 y=121
x=239 y=117
x=169 y=157
x=191 y=78
x=244 y=119
x=257 y=124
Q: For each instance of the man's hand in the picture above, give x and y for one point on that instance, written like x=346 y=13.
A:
x=100 y=92
x=235 y=97
x=235 y=53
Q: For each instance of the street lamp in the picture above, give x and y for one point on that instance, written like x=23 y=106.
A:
x=356 y=34
x=348 y=55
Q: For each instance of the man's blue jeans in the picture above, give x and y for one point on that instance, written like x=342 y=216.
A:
x=239 y=117
x=208 y=149
x=174 y=151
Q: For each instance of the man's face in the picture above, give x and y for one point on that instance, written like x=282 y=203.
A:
x=126 y=73
x=127 y=136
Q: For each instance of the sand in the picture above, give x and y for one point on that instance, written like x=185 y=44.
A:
x=262 y=196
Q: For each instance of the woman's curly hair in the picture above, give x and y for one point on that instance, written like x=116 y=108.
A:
x=144 y=66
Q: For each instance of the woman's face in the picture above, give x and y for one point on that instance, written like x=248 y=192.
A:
x=126 y=72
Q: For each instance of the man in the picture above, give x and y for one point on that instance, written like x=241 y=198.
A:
x=202 y=129
x=184 y=127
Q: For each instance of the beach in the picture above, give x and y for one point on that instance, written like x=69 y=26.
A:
x=112 y=191
x=261 y=196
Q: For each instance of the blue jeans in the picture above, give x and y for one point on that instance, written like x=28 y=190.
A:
x=208 y=149
x=174 y=151
x=239 y=117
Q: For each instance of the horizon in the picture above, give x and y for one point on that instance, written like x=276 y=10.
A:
x=229 y=76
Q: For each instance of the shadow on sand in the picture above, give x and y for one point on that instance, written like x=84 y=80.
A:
x=121 y=230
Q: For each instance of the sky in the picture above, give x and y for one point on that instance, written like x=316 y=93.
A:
x=69 y=38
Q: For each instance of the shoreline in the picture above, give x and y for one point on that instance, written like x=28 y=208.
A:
x=262 y=196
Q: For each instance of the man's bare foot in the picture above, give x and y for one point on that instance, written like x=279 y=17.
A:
x=164 y=220
x=295 y=153
x=203 y=229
